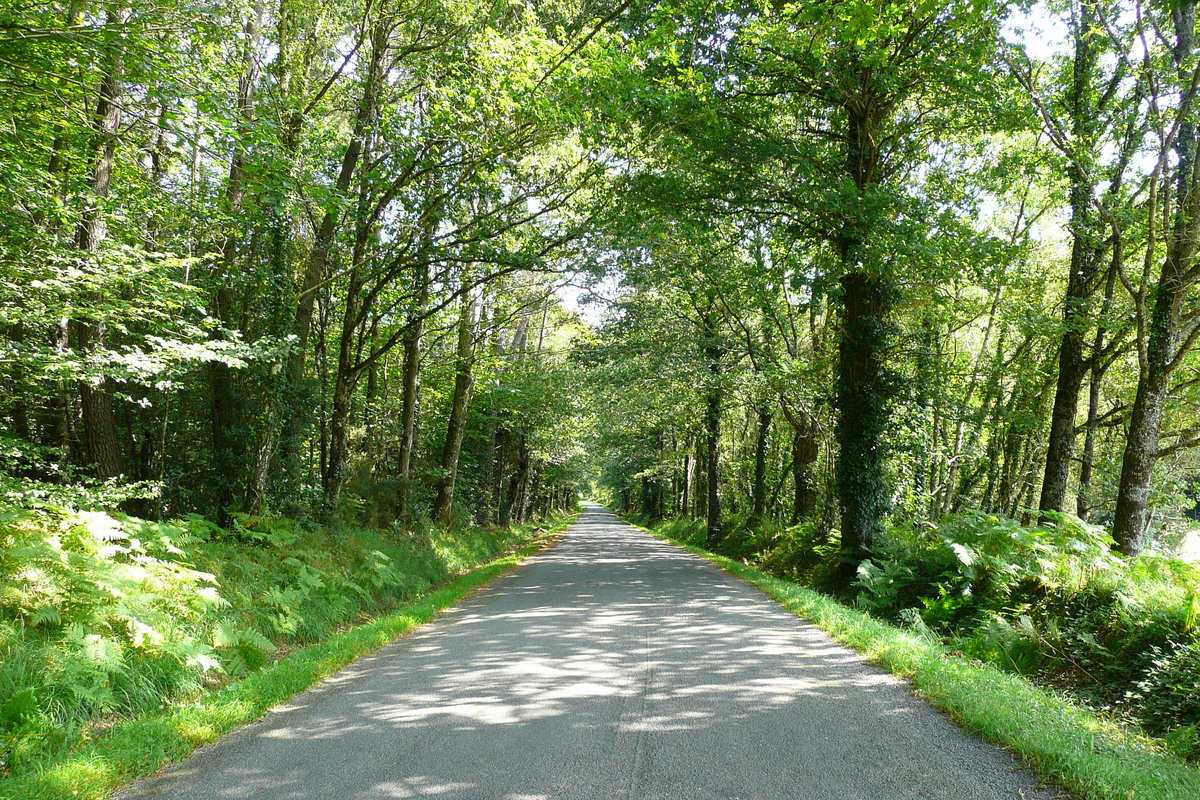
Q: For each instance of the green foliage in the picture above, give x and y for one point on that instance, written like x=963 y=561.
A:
x=802 y=553
x=682 y=529
x=98 y=615
x=1049 y=601
x=104 y=616
x=884 y=585
x=1012 y=645
x=242 y=650
x=978 y=561
x=1168 y=697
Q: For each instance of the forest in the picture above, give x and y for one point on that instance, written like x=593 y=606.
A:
x=306 y=306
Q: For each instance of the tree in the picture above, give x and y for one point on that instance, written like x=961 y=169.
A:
x=1168 y=326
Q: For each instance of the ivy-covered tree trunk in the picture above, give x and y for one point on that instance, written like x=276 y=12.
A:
x=1087 y=246
x=862 y=404
x=865 y=303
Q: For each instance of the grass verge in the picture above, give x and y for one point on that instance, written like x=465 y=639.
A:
x=1087 y=755
x=141 y=745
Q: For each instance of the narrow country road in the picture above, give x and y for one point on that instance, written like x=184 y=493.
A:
x=611 y=666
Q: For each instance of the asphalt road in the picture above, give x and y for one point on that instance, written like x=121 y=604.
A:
x=611 y=666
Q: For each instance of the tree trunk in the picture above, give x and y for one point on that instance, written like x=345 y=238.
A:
x=1087 y=246
x=490 y=507
x=345 y=381
x=1161 y=355
x=350 y=352
x=1097 y=368
x=1132 y=516
x=280 y=403
x=861 y=375
x=370 y=410
x=713 y=353
x=456 y=424
x=761 y=443
x=861 y=398
x=410 y=394
x=227 y=411
x=685 y=498
x=926 y=367
x=503 y=439
x=318 y=256
x=101 y=440
x=805 y=449
x=954 y=488
x=517 y=481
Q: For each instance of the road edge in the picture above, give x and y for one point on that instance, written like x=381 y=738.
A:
x=1065 y=745
x=140 y=747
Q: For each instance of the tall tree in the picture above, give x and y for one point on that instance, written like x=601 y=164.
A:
x=1168 y=324
x=101 y=439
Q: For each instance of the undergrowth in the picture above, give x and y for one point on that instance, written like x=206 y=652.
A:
x=1095 y=756
x=1051 y=602
x=106 y=617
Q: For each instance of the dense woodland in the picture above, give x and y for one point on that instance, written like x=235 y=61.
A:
x=898 y=298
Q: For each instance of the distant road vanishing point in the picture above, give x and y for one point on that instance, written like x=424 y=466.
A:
x=612 y=666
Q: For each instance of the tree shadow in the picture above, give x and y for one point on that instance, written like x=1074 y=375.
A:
x=612 y=666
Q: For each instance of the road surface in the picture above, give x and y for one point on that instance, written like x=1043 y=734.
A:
x=612 y=666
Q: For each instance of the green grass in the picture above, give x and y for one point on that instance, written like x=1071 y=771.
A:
x=1088 y=755
x=142 y=744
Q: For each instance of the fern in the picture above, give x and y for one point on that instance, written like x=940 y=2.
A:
x=242 y=650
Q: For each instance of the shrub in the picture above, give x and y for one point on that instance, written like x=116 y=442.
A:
x=974 y=563
x=96 y=617
x=1016 y=646
x=746 y=539
x=683 y=529
x=1169 y=696
x=802 y=553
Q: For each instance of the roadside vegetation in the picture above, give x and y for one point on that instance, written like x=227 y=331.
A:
x=1050 y=602
x=901 y=299
x=106 y=620
x=1094 y=752
x=909 y=312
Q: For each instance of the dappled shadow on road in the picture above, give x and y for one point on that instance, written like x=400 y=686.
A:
x=613 y=666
